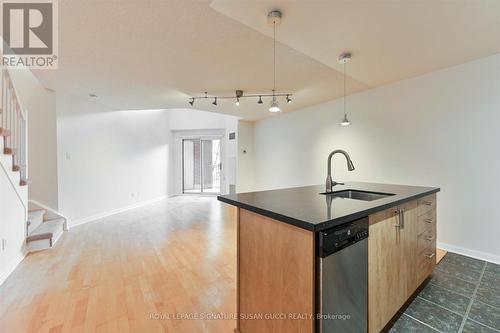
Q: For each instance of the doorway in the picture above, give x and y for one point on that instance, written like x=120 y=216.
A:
x=201 y=165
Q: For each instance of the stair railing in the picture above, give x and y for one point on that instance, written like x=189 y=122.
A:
x=14 y=122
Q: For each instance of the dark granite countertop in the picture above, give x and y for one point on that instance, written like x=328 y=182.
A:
x=305 y=207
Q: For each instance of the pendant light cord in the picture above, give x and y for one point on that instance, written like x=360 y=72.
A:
x=344 y=92
x=274 y=56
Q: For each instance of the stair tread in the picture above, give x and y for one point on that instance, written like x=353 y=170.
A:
x=4 y=132
x=46 y=230
x=34 y=209
x=37 y=213
x=55 y=219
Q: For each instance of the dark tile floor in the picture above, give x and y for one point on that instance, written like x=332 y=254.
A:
x=463 y=295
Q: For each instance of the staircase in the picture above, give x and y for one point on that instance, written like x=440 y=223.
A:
x=13 y=131
x=43 y=226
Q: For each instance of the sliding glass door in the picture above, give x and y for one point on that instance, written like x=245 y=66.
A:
x=201 y=165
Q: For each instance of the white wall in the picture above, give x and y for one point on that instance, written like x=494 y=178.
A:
x=110 y=160
x=40 y=105
x=246 y=154
x=439 y=129
x=107 y=159
x=12 y=225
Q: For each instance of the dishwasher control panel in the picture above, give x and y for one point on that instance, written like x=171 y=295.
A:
x=337 y=238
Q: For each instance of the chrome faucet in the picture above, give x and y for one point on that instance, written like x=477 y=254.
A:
x=350 y=166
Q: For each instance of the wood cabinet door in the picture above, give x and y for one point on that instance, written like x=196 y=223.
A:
x=276 y=267
x=387 y=270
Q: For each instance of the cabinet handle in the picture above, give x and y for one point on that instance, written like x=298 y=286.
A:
x=398 y=212
x=430 y=256
x=429 y=221
x=402 y=217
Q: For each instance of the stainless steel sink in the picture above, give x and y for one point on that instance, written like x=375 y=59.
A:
x=358 y=195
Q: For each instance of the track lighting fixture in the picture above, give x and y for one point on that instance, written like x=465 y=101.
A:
x=239 y=96
x=273 y=20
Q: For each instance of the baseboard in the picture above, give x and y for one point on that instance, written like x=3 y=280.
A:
x=470 y=253
x=10 y=267
x=77 y=222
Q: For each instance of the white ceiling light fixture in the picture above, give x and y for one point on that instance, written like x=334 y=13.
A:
x=344 y=58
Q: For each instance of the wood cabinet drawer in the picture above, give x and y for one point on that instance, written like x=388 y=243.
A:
x=426 y=204
x=424 y=241
x=426 y=262
x=426 y=222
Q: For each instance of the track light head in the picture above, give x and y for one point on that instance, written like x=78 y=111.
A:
x=237 y=103
x=260 y=100
x=215 y=101
x=191 y=102
x=288 y=99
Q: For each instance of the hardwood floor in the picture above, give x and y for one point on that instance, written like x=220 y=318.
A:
x=440 y=253
x=120 y=274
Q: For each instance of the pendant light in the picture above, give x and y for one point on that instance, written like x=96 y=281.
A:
x=274 y=17
x=273 y=20
x=344 y=59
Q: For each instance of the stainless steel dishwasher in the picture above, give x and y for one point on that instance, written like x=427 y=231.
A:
x=342 y=266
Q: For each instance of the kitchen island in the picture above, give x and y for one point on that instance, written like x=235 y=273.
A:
x=279 y=260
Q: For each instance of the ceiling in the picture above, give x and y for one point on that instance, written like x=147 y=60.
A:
x=155 y=54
